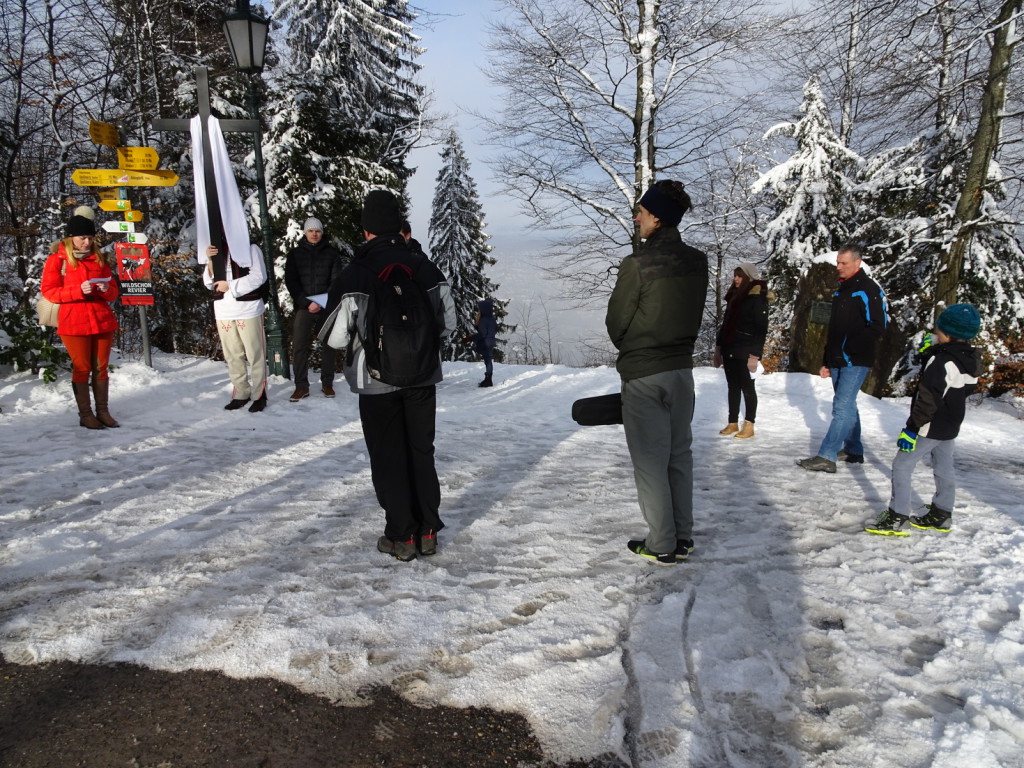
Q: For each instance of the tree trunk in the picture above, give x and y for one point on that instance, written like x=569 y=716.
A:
x=986 y=139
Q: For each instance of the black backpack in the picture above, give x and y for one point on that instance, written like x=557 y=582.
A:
x=402 y=342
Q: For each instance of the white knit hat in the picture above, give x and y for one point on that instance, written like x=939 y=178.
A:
x=750 y=270
x=312 y=223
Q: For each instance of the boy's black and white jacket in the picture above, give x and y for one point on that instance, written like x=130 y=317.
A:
x=949 y=376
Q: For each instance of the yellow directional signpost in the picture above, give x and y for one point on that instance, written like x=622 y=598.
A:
x=103 y=133
x=136 y=167
x=110 y=204
x=114 y=177
x=137 y=158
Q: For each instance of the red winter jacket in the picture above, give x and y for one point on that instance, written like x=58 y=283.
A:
x=80 y=314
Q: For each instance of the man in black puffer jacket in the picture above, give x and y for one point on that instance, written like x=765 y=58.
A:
x=310 y=270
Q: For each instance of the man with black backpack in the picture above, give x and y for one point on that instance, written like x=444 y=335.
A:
x=387 y=312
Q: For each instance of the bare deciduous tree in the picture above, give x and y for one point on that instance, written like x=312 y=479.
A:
x=603 y=96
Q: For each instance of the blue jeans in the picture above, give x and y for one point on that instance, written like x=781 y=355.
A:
x=844 y=431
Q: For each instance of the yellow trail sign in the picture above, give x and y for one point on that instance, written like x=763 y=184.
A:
x=109 y=193
x=133 y=215
x=103 y=133
x=137 y=158
x=114 y=177
x=116 y=205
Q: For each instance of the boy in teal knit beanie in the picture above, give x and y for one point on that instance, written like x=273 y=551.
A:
x=949 y=373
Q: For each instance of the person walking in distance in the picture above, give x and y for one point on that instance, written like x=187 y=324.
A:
x=654 y=316
x=310 y=269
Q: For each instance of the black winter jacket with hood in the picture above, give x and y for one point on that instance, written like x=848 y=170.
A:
x=349 y=297
x=948 y=377
x=745 y=323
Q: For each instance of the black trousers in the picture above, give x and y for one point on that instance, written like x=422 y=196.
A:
x=739 y=380
x=303 y=326
x=398 y=428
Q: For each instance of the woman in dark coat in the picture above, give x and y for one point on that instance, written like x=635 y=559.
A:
x=740 y=345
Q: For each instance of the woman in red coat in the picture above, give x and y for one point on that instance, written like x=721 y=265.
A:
x=78 y=278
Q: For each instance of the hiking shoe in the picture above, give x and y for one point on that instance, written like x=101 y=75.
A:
x=936 y=520
x=235 y=404
x=639 y=547
x=328 y=390
x=683 y=548
x=818 y=464
x=850 y=458
x=299 y=394
x=889 y=523
x=428 y=543
x=402 y=550
x=259 y=404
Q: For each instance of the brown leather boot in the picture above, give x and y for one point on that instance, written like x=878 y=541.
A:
x=85 y=415
x=101 y=389
x=731 y=428
x=747 y=432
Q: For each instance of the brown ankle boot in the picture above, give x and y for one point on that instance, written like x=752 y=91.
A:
x=731 y=428
x=85 y=416
x=101 y=389
x=747 y=432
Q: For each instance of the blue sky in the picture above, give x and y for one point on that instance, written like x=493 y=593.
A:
x=455 y=41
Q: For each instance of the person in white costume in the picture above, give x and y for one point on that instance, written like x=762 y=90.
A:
x=239 y=314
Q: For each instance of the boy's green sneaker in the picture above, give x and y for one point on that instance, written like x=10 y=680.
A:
x=890 y=523
x=936 y=520
x=639 y=547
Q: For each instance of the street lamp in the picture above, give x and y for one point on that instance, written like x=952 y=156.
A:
x=246 y=33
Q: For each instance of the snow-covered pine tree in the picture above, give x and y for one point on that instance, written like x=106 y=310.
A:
x=458 y=245
x=345 y=114
x=813 y=212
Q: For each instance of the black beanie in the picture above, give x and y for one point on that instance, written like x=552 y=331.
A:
x=666 y=209
x=381 y=213
x=79 y=225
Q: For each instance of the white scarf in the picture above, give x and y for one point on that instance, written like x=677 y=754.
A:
x=231 y=212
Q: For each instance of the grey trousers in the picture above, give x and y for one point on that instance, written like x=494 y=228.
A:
x=903 y=465
x=656 y=412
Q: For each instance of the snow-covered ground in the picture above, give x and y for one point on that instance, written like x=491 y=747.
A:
x=194 y=537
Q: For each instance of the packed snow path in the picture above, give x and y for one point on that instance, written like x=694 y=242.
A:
x=193 y=537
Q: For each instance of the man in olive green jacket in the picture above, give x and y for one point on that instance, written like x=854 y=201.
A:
x=653 y=319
